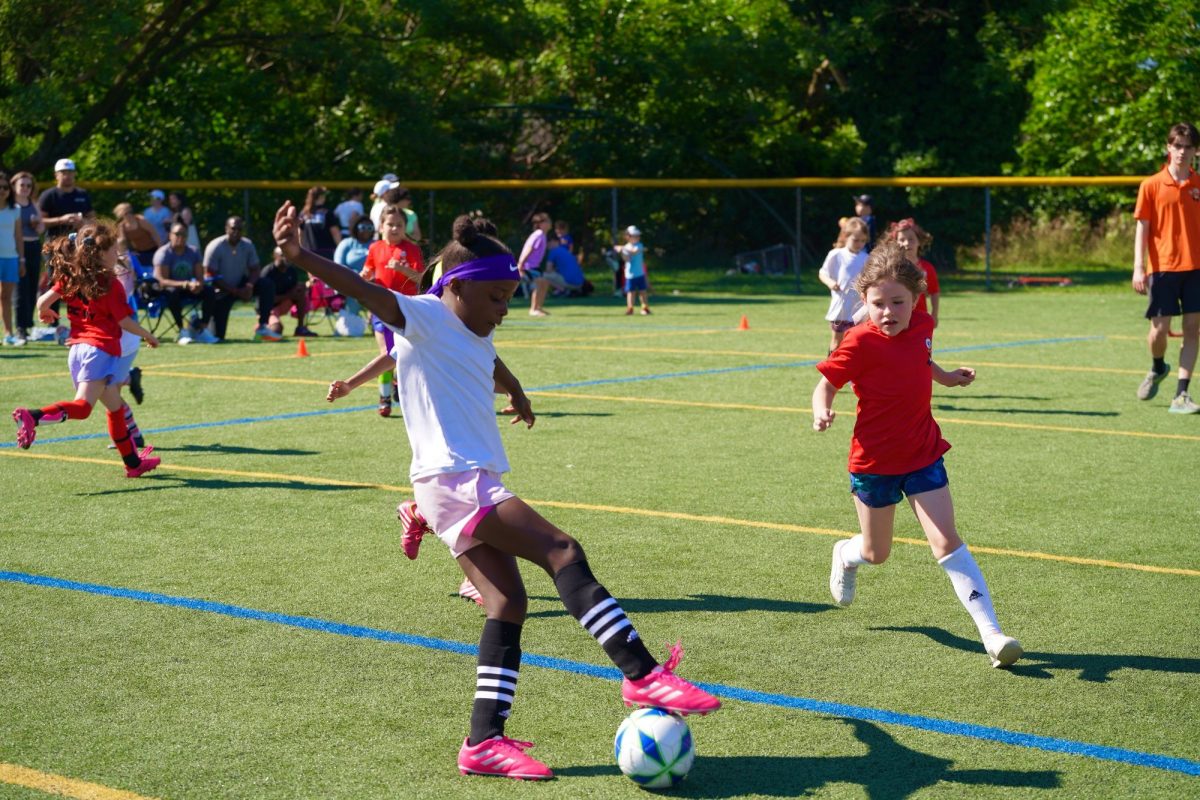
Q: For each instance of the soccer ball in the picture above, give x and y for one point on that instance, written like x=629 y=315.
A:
x=348 y=324
x=654 y=748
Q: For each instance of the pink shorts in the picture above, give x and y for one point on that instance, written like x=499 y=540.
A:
x=455 y=503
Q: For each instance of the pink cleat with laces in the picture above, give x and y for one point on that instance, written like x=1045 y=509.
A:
x=501 y=757
x=26 y=427
x=415 y=527
x=142 y=468
x=662 y=688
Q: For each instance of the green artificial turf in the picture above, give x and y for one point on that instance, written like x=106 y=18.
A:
x=710 y=513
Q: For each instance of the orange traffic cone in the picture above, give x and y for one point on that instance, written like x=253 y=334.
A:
x=302 y=349
x=744 y=325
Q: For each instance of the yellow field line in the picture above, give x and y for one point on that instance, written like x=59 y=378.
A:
x=672 y=350
x=1057 y=368
x=243 y=378
x=61 y=786
x=846 y=412
x=637 y=512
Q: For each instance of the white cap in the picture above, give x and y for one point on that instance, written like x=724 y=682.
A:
x=390 y=178
x=382 y=186
x=632 y=230
x=64 y=165
x=157 y=194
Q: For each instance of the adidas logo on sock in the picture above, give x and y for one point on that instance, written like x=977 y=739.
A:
x=633 y=636
x=975 y=595
x=506 y=712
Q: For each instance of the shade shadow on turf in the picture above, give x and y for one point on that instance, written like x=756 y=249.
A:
x=888 y=770
x=1093 y=667
x=156 y=483
x=237 y=450
x=1040 y=411
x=699 y=602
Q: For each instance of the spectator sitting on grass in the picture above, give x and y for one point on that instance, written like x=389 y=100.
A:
x=562 y=268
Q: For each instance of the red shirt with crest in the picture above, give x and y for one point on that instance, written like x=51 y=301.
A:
x=98 y=321
x=894 y=433
x=381 y=253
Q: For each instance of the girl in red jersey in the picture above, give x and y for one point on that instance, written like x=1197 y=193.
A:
x=394 y=262
x=897 y=447
x=97 y=307
x=913 y=238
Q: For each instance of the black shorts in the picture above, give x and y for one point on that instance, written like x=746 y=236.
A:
x=1173 y=293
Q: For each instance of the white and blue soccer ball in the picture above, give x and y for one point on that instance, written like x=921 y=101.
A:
x=654 y=748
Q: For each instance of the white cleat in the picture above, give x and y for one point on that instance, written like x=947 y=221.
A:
x=1003 y=650
x=841 y=577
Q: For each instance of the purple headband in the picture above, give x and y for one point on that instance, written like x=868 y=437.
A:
x=501 y=267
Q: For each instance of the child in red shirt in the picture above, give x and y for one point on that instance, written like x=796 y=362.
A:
x=98 y=310
x=913 y=238
x=396 y=263
x=897 y=446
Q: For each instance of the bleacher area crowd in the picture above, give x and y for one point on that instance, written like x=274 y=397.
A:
x=193 y=284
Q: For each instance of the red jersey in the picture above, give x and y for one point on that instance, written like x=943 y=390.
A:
x=893 y=379
x=381 y=253
x=931 y=283
x=98 y=322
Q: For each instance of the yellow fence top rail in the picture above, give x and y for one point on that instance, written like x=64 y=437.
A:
x=978 y=181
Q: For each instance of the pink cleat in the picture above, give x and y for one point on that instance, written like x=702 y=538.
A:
x=415 y=527
x=467 y=591
x=26 y=427
x=502 y=757
x=141 y=469
x=662 y=688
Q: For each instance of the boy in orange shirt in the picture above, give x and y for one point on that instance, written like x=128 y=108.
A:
x=1168 y=226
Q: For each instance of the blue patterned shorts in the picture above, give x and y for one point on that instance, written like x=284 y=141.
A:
x=881 y=491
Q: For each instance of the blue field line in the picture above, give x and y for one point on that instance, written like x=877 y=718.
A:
x=931 y=724
x=550 y=387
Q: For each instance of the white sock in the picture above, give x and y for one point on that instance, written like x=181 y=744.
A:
x=851 y=553
x=971 y=589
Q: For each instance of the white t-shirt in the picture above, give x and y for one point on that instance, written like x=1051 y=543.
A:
x=345 y=210
x=843 y=267
x=447 y=390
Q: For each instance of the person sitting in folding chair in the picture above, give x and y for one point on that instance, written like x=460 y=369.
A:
x=179 y=275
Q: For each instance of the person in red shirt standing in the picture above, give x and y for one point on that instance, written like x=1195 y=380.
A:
x=97 y=307
x=913 y=238
x=1168 y=226
x=897 y=447
x=396 y=263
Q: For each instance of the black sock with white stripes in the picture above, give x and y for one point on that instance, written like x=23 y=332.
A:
x=495 y=679
x=599 y=613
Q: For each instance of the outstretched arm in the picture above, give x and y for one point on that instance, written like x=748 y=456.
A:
x=963 y=376
x=375 y=297
x=373 y=369
x=822 y=404
x=518 y=403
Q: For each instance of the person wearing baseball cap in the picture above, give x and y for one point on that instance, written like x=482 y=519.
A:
x=864 y=209
x=157 y=213
x=66 y=206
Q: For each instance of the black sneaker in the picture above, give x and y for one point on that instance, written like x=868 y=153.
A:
x=135 y=385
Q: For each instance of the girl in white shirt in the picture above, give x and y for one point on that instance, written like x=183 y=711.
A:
x=448 y=373
x=841 y=268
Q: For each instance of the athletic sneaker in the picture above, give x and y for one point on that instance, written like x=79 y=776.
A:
x=303 y=331
x=264 y=334
x=662 y=688
x=645 y=312
x=10 y=340
x=842 y=578
x=185 y=337
x=141 y=469
x=135 y=385
x=204 y=337
x=1003 y=650
x=385 y=406
x=502 y=757
x=1183 y=404
x=467 y=591
x=1149 y=387
x=26 y=427
x=537 y=312
x=415 y=527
